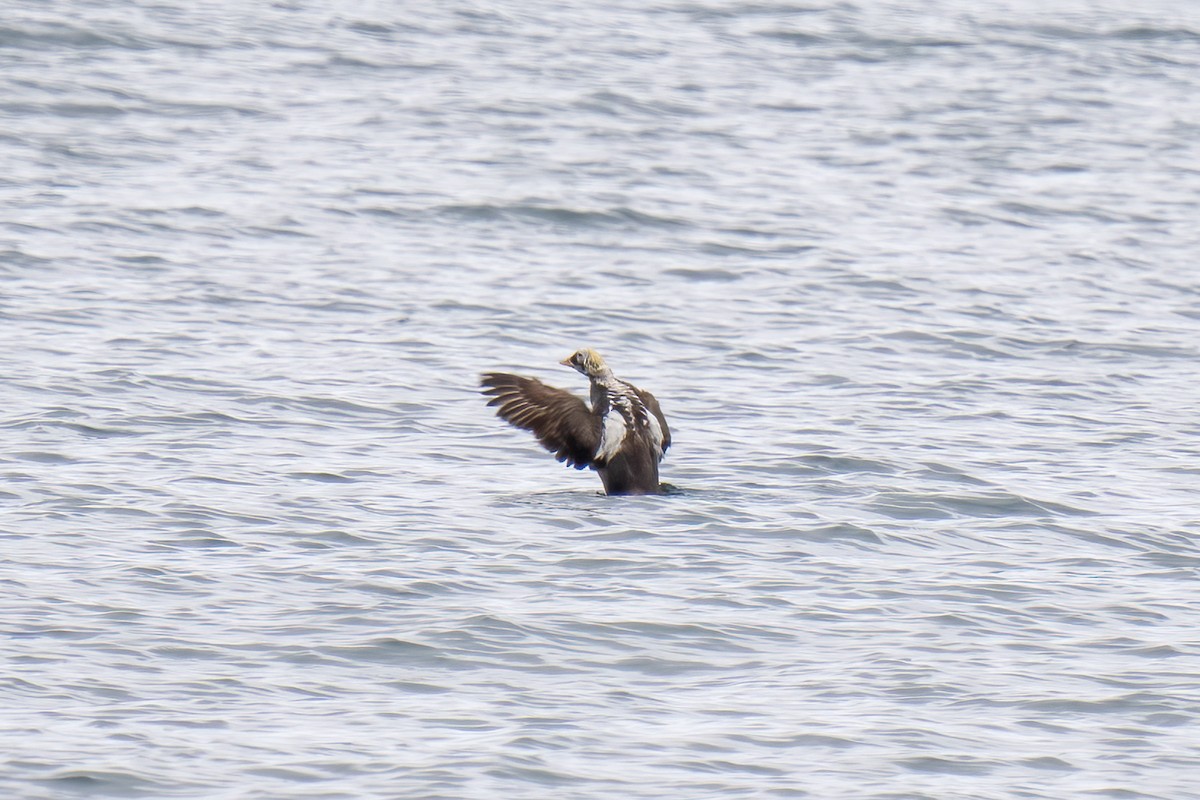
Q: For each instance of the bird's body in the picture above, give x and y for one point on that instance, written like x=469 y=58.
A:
x=622 y=436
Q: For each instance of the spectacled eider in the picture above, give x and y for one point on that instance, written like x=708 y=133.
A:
x=622 y=436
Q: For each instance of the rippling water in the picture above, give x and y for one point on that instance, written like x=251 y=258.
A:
x=916 y=285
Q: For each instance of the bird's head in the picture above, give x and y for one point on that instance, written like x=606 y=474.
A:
x=586 y=361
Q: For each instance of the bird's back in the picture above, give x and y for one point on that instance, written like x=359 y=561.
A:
x=633 y=439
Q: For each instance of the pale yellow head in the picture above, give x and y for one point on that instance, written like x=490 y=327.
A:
x=587 y=361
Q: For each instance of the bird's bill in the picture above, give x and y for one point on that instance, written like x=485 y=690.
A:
x=566 y=362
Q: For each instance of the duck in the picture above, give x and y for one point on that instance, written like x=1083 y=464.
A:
x=622 y=435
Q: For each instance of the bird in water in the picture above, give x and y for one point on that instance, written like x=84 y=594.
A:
x=622 y=436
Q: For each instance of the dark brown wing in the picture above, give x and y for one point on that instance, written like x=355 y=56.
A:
x=561 y=421
x=652 y=403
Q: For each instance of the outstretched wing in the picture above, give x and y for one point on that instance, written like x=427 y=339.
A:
x=561 y=421
x=652 y=403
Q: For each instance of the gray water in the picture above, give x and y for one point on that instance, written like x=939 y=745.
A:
x=916 y=284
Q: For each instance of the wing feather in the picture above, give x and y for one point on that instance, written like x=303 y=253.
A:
x=561 y=421
x=652 y=403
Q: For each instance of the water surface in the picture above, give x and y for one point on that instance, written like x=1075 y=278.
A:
x=917 y=291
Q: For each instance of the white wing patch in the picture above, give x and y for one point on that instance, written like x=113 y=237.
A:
x=612 y=435
x=656 y=434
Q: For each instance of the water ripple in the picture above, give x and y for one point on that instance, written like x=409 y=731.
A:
x=914 y=286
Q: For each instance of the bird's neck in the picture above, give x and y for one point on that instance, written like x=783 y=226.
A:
x=601 y=386
x=605 y=379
